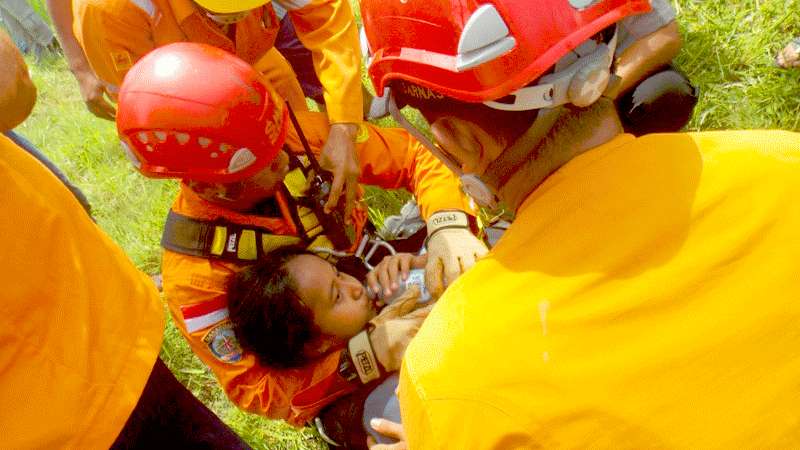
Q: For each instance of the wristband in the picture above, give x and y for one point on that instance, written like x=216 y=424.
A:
x=445 y=220
x=448 y=218
x=363 y=357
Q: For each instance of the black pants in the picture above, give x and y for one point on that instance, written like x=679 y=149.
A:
x=169 y=416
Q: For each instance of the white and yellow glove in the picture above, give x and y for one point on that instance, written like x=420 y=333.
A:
x=452 y=249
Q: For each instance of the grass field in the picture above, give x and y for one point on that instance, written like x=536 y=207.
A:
x=728 y=53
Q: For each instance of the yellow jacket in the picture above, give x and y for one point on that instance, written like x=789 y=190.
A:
x=195 y=286
x=645 y=297
x=81 y=326
x=114 y=34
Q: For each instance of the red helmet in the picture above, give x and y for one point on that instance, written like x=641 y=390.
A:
x=479 y=50
x=196 y=112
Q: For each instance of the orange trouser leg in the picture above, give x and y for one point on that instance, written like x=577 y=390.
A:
x=278 y=71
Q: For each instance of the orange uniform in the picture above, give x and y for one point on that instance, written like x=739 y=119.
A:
x=114 y=34
x=195 y=286
x=644 y=297
x=82 y=326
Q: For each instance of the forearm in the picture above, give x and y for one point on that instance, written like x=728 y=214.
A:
x=328 y=29
x=646 y=55
x=61 y=14
x=391 y=159
x=17 y=92
x=435 y=186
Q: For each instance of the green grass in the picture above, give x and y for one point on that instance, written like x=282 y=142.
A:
x=728 y=52
x=41 y=8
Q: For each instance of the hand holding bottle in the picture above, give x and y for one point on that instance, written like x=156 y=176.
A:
x=394 y=274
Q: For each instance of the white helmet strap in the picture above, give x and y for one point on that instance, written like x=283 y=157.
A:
x=445 y=158
x=580 y=78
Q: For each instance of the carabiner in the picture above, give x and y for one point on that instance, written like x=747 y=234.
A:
x=359 y=253
x=376 y=243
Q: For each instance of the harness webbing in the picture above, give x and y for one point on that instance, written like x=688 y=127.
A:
x=220 y=239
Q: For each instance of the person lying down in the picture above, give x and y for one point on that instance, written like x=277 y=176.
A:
x=302 y=301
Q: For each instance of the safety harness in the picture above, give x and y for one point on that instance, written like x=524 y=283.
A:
x=300 y=201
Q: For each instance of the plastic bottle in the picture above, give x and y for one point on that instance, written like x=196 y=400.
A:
x=415 y=277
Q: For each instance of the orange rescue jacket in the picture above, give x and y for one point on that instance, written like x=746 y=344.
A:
x=195 y=286
x=81 y=326
x=114 y=34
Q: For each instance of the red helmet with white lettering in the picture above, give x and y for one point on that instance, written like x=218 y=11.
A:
x=480 y=50
x=510 y=55
x=196 y=112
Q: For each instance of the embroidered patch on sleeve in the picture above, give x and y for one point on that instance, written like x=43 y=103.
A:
x=203 y=315
x=222 y=343
x=122 y=60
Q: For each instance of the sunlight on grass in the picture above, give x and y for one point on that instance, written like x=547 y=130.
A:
x=729 y=53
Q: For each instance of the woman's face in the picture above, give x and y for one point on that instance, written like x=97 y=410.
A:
x=339 y=302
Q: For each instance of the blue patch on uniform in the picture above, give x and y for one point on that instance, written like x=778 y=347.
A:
x=223 y=344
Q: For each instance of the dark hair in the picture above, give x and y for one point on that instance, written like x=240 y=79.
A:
x=268 y=316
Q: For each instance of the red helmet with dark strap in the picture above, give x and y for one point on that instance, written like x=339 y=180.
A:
x=510 y=55
x=479 y=50
x=196 y=112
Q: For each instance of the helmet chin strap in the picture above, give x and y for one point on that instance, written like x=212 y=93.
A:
x=471 y=183
x=484 y=188
x=437 y=151
x=525 y=148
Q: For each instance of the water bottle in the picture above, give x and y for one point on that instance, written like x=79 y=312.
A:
x=416 y=277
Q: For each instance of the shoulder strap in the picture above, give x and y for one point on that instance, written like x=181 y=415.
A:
x=219 y=239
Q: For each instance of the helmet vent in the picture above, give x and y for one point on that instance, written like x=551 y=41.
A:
x=485 y=37
x=582 y=4
x=182 y=138
x=483 y=28
x=204 y=142
x=241 y=159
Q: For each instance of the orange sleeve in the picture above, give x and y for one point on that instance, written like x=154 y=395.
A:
x=296 y=395
x=391 y=158
x=328 y=29
x=114 y=34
